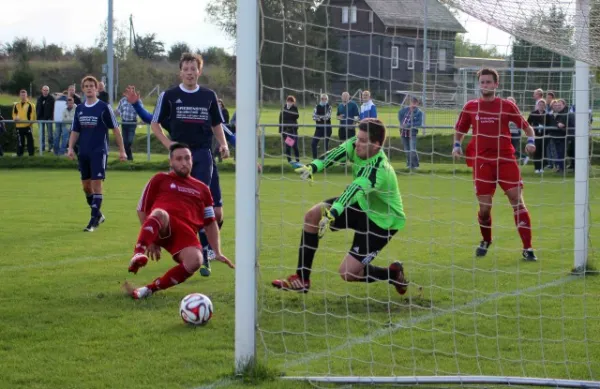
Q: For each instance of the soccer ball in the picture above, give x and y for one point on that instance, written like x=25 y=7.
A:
x=196 y=309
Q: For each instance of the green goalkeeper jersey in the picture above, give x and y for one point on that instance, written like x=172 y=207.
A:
x=374 y=186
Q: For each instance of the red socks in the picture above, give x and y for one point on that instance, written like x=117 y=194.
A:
x=486 y=228
x=148 y=234
x=523 y=223
x=175 y=275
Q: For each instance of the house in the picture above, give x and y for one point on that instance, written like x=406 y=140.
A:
x=380 y=47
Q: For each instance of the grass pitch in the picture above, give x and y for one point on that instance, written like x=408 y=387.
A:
x=65 y=322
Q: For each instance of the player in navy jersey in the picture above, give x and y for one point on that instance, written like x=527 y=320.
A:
x=133 y=98
x=90 y=128
x=193 y=116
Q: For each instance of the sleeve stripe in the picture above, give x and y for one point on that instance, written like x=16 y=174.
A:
x=348 y=194
x=226 y=130
x=142 y=203
x=158 y=108
x=113 y=117
x=209 y=212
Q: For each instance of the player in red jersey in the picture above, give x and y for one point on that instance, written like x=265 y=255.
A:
x=173 y=208
x=491 y=155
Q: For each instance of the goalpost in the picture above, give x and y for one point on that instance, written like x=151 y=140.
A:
x=465 y=320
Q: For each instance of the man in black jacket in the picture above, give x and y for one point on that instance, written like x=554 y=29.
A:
x=45 y=111
x=564 y=141
x=322 y=118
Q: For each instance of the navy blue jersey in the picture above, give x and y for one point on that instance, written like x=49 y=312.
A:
x=190 y=115
x=92 y=123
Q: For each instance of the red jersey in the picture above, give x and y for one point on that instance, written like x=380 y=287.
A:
x=491 y=134
x=184 y=198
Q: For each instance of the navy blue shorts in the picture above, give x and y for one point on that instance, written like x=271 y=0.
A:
x=92 y=166
x=205 y=170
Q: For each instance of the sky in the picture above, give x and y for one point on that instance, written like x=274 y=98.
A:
x=79 y=23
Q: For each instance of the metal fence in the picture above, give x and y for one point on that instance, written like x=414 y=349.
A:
x=304 y=131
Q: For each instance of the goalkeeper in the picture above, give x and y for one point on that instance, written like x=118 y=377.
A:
x=371 y=206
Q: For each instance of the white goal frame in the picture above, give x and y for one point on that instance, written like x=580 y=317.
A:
x=246 y=202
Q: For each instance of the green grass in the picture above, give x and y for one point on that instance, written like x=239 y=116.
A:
x=66 y=324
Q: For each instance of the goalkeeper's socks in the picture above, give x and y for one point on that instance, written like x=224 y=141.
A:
x=523 y=223
x=175 y=275
x=485 y=225
x=148 y=234
x=376 y=273
x=306 y=254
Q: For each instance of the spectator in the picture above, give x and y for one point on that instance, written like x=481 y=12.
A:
x=367 y=109
x=60 y=104
x=515 y=136
x=322 y=118
x=537 y=95
x=549 y=101
x=2 y=131
x=539 y=120
x=348 y=114
x=129 y=124
x=71 y=92
x=288 y=120
x=564 y=122
x=45 y=111
x=67 y=118
x=102 y=93
x=24 y=110
x=225 y=114
x=411 y=118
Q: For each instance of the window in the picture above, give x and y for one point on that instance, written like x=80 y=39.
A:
x=410 y=58
x=344 y=14
x=442 y=59
x=370 y=16
x=353 y=14
x=395 y=57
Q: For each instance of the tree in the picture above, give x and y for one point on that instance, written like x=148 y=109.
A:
x=91 y=58
x=300 y=51
x=554 y=25
x=21 y=49
x=177 y=50
x=215 y=56
x=465 y=48
x=120 y=39
x=51 y=52
x=149 y=47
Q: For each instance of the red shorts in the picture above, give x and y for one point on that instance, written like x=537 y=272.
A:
x=486 y=174
x=179 y=236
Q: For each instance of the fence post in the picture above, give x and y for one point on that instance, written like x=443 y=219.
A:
x=41 y=135
x=148 y=142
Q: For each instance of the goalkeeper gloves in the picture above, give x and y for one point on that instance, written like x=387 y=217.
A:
x=306 y=172
x=327 y=217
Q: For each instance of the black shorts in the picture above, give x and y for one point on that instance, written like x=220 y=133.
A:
x=369 y=238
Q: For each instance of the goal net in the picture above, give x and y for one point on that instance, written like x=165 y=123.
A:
x=465 y=319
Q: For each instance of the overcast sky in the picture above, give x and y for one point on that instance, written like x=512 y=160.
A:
x=73 y=23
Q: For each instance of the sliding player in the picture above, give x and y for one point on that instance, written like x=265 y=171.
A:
x=173 y=207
